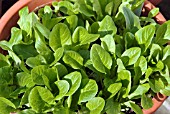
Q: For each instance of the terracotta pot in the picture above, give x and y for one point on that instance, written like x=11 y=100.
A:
x=155 y=2
x=10 y=19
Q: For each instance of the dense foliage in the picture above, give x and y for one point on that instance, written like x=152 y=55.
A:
x=85 y=56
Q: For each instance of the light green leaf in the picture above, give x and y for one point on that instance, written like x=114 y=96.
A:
x=142 y=64
x=114 y=89
x=58 y=55
x=6 y=106
x=38 y=97
x=42 y=29
x=81 y=36
x=72 y=20
x=141 y=89
x=163 y=33
x=73 y=59
x=24 y=79
x=95 y=105
x=89 y=91
x=134 y=107
x=144 y=36
x=132 y=54
x=166 y=52
x=107 y=26
x=120 y=65
x=108 y=44
x=101 y=59
x=125 y=77
x=156 y=84
x=75 y=80
x=146 y=102
x=153 y=12
x=63 y=87
x=62 y=70
x=59 y=36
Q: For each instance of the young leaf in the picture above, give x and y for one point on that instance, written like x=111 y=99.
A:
x=74 y=80
x=38 y=97
x=89 y=91
x=59 y=36
x=73 y=59
x=120 y=65
x=146 y=102
x=156 y=84
x=108 y=44
x=62 y=70
x=134 y=107
x=63 y=87
x=81 y=36
x=141 y=89
x=107 y=26
x=142 y=64
x=58 y=54
x=125 y=77
x=131 y=19
x=144 y=36
x=114 y=88
x=166 y=52
x=153 y=12
x=6 y=106
x=72 y=20
x=162 y=34
x=100 y=58
x=133 y=54
x=42 y=29
x=95 y=105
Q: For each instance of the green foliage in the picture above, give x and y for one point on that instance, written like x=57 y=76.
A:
x=84 y=56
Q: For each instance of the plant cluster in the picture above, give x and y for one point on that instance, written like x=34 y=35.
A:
x=85 y=56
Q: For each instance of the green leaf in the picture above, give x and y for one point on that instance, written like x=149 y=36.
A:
x=155 y=52
x=73 y=59
x=5 y=74
x=40 y=43
x=141 y=89
x=166 y=52
x=153 y=12
x=109 y=8
x=58 y=55
x=107 y=26
x=95 y=105
x=43 y=30
x=108 y=44
x=72 y=20
x=142 y=64
x=132 y=54
x=62 y=70
x=89 y=91
x=59 y=36
x=37 y=73
x=131 y=19
x=101 y=59
x=6 y=106
x=114 y=89
x=38 y=97
x=63 y=87
x=129 y=40
x=144 y=36
x=112 y=107
x=26 y=111
x=74 y=80
x=163 y=33
x=25 y=51
x=120 y=65
x=146 y=102
x=156 y=84
x=24 y=79
x=134 y=107
x=125 y=77
x=81 y=36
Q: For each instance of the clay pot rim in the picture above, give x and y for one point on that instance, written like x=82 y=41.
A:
x=158 y=99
